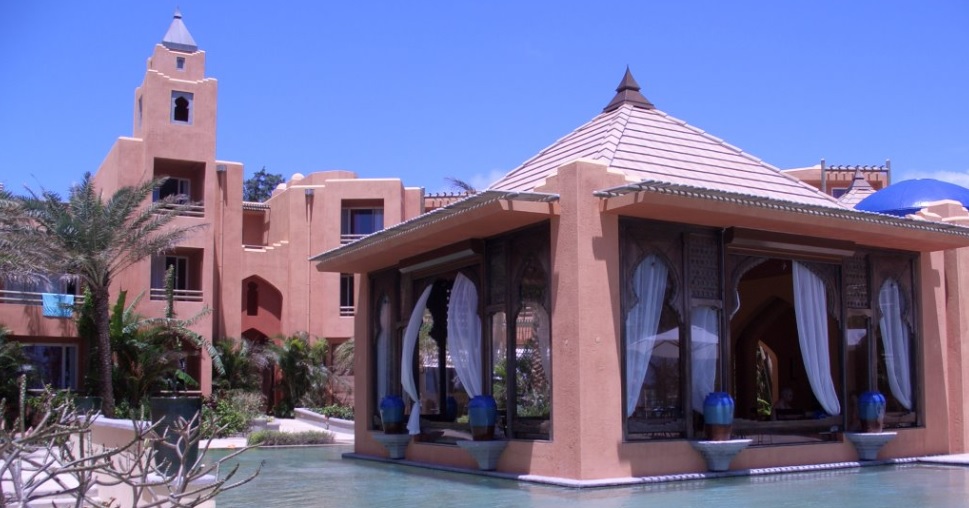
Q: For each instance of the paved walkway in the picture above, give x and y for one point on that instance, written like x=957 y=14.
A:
x=285 y=425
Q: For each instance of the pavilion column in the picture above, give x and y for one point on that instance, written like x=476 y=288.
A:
x=957 y=351
x=586 y=362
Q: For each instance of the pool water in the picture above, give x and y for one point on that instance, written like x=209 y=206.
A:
x=318 y=477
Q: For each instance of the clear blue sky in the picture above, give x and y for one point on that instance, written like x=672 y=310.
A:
x=470 y=89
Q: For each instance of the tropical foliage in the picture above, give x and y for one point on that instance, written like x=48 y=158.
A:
x=92 y=239
x=260 y=187
x=12 y=360
x=243 y=363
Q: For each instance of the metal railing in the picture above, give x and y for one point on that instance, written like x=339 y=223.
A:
x=346 y=238
x=179 y=295
x=347 y=310
x=29 y=297
x=197 y=210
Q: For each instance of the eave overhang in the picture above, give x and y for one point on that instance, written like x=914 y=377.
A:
x=707 y=207
x=481 y=215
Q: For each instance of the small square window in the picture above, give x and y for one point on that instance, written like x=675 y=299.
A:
x=180 y=63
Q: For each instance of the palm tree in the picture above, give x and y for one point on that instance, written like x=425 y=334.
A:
x=93 y=240
x=20 y=259
x=243 y=363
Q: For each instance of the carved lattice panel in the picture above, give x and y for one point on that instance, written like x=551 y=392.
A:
x=703 y=266
x=857 y=292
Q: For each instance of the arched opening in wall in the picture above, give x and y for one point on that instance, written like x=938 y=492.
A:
x=261 y=305
x=785 y=375
x=269 y=387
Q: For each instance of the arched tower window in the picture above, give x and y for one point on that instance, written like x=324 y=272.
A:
x=181 y=107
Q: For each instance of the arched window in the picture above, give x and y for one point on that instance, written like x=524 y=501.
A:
x=181 y=107
x=252 y=299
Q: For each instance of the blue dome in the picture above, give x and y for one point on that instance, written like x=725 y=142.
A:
x=910 y=196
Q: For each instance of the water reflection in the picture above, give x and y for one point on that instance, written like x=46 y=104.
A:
x=298 y=477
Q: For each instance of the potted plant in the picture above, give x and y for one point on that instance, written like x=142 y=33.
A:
x=173 y=406
x=718 y=416
x=482 y=415
x=871 y=411
x=392 y=414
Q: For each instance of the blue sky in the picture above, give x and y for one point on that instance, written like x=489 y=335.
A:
x=470 y=89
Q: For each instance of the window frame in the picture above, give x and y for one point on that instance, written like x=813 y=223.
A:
x=188 y=96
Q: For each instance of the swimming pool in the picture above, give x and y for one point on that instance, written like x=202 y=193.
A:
x=311 y=477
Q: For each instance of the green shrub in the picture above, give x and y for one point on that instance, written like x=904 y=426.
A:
x=277 y=438
x=335 y=411
x=230 y=413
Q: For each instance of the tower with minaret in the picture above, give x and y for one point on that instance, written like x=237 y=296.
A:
x=173 y=137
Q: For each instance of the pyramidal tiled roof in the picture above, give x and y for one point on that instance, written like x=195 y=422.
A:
x=646 y=144
x=857 y=191
x=177 y=37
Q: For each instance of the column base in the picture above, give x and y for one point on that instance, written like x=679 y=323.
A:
x=718 y=454
x=867 y=444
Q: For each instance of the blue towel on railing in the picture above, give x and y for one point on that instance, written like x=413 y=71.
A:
x=57 y=305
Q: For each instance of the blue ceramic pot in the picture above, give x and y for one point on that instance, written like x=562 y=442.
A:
x=451 y=409
x=718 y=416
x=392 y=414
x=482 y=415
x=871 y=411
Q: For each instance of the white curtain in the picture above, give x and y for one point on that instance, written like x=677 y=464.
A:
x=383 y=350
x=896 y=343
x=642 y=323
x=407 y=361
x=464 y=334
x=705 y=347
x=810 y=309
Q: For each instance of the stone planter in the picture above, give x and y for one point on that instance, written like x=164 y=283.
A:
x=166 y=411
x=718 y=416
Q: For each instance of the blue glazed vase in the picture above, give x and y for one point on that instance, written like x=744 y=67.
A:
x=392 y=414
x=482 y=415
x=871 y=411
x=718 y=415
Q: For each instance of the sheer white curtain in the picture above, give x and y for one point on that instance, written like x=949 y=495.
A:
x=407 y=360
x=464 y=334
x=896 y=343
x=705 y=347
x=642 y=323
x=810 y=309
x=383 y=350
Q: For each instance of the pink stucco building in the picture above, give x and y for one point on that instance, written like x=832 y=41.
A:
x=249 y=264
x=603 y=288
x=599 y=291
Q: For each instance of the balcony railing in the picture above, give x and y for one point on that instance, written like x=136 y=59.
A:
x=179 y=295
x=346 y=238
x=194 y=210
x=347 y=310
x=29 y=298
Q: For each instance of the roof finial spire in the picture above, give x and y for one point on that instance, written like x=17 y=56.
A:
x=177 y=37
x=628 y=93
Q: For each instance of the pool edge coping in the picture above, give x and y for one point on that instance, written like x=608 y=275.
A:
x=658 y=479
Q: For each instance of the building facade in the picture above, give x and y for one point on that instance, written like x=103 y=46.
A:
x=248 y=265
x=603 y=288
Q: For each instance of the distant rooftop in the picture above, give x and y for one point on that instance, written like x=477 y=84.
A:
x=177 y=37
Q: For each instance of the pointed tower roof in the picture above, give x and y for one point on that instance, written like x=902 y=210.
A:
x=647 y=145
x=628 y=93
x=858 y=190
x=177 y=37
